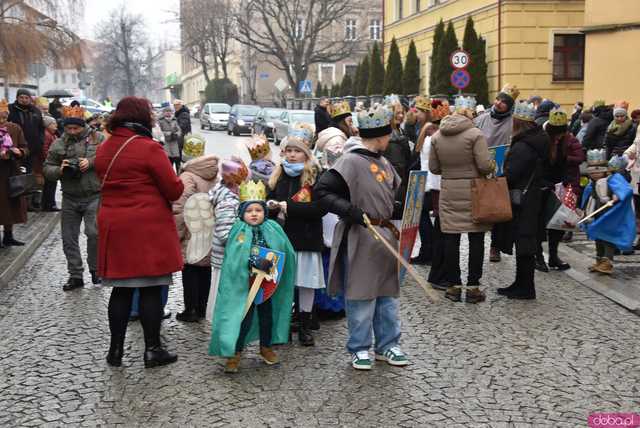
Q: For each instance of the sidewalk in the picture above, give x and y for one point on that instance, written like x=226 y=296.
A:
x=623 y=286
x=32 y=233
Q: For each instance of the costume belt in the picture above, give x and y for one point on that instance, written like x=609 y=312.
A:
x=386 y=224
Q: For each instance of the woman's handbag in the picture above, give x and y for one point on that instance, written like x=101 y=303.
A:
x=22 y=185
x=517 y=195
x=490 y=203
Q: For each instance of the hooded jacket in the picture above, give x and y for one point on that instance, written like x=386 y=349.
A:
x=459 y=153
x=597 y=128
x=84 y=145
x=199 y=176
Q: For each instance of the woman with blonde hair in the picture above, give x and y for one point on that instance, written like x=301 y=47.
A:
x=291 y=196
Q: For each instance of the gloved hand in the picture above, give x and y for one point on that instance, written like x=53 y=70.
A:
x=356 y=216
x=263 y=264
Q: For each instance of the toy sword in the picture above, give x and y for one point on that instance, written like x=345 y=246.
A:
x=255 y=286
x=598 y=211
x=430 y=292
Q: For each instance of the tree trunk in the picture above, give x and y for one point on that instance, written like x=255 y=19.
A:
x=127 y=59
x=203 y=64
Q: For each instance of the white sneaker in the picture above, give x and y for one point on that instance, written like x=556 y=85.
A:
x=361 y=361
x=393 y=356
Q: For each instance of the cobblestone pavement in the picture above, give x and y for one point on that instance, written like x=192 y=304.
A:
x=499 y=363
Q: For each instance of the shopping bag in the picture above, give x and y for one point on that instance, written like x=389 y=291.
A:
x=490 y=201
x=563 y=215
x=564 y=219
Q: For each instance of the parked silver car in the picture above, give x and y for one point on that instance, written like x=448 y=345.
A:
x=288 y=118
x=214 y=116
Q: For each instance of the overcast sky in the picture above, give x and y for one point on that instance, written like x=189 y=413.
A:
x=155 y=13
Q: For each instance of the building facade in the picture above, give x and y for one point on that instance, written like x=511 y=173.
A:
x=364 y=26
x=612 y=31
x=537 y=45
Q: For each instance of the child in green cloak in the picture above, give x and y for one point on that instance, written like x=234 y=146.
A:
x=231 y=332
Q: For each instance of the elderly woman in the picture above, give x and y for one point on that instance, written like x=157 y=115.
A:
x=13 y=148
x=171 y=130
x=459 y=154
x=139 y=246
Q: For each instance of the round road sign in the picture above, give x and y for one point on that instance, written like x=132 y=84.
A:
x=460 y=59
x=460 y=78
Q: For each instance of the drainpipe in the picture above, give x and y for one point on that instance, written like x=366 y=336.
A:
x=383 y=27
x=499 y=44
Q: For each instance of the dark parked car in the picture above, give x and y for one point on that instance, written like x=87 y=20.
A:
x=264 y=121
x=241 y=118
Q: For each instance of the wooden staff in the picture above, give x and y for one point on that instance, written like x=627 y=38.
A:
x=432 y=295
x=255 y=286
x=598 y=211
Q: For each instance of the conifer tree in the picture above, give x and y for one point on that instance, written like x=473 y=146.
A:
x=448 y=45
x=477 y=68
x=346 y=88
x=393 y=74
x=411 y=73
x=318 y=90
x=438 y=35
x=362 y=82
x=375 y=85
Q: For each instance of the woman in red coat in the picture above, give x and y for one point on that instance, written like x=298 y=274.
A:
x=138 y=242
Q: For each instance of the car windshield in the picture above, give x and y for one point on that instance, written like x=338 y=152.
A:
x=272 y=113
x=219 y=108
x=248 y=110
x=303 y=117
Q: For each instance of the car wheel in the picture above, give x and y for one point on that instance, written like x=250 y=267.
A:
x=228 y=131
x=236 y=132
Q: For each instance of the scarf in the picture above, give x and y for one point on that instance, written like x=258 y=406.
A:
x=498 y=115
x=619 y=129
x=138 y=129
x=292 y=169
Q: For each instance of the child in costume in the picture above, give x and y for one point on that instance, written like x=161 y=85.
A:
x=261 y=165
x=225 y=201
x=292 y=195
x=614 y=227
x=232 y=330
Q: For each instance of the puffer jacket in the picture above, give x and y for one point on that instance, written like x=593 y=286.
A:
x=225 y=208
x=68 y=147
x=198 y=176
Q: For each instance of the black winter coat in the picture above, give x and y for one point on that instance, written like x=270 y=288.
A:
x=184 y=120
x=30 y=120
x=303 y=223
x=399 y=154
x=597 y=129
x=526 y=158
x=322 y=119
x=617 y=144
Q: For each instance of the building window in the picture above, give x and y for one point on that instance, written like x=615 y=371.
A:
x=55 y=77
x=327 y=73
x=64 y=78
x=73 y=77
x=568 y=57
x=350 y=69
x=417 y=6
x=350 y=30
x=399 y=9
x=374 y=29
x=299 y=29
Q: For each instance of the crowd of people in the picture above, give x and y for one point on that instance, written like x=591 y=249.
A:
x=265 y=248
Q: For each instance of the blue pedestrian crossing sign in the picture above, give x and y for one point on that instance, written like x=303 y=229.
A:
x=305 y=87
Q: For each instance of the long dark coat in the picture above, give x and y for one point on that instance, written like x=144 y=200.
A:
x=12 y=210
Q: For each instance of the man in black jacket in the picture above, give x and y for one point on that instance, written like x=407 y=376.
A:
x=24 y=114
x=322 y=116
x=183 y=116
x=597 y=127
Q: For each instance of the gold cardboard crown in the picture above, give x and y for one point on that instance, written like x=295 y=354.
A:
x=511 y=90
x=340 y=109
x=423 y=103
x=258 y=147
x=75 y=112
x=558 y=117
x=4 y=105
x=252 y=191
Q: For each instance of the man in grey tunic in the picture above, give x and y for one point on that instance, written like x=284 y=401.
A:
x=363 y=182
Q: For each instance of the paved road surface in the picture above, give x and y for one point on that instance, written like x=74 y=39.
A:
x=500 y=363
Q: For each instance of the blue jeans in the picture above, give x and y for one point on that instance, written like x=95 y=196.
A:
x=135 y=303
x=379 y=314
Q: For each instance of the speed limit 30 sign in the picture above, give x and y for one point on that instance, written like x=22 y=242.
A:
x=460 y=59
